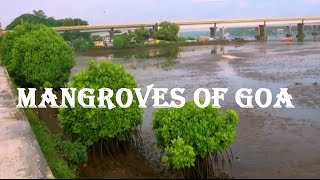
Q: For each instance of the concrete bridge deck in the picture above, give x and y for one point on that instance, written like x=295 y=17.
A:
x=20 y=154
x=243 y=22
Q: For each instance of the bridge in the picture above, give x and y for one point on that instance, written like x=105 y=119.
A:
x=260 y=23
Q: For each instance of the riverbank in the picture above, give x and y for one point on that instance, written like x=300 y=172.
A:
x=20 y=153
x=270 y=143
x=103 y=50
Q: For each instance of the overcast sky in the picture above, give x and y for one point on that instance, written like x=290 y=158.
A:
x=135 y=11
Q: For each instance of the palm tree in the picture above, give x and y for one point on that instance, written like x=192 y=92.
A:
x=40 y=14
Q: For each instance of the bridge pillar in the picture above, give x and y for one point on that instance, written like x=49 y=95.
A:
x=151 y=33
x=213 y=32
x=222 y=33
x=257 y=33
x=263 y=33
x=155 y=27
x=152 y=30
x=314 y=32
x=300 y=35
x=289 y=31
x=111 y=33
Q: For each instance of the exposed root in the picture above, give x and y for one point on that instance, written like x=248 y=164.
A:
x=208 y=167
x=110 y=147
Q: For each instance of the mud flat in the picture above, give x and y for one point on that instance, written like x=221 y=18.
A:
x=270 y=143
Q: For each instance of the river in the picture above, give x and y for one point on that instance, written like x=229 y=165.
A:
x=273 y=143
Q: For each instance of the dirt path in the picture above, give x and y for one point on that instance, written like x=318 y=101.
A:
x=20 y=154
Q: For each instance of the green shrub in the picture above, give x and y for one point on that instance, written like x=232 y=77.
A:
x=206 y=130
x=168 y=31
x=162 y=43
x=120 y=41
x=182 y=39
x=41 y=57
x=93 y=125
x=9 y=39
x=74 y=152
x=49 y=143
x=82 y=44
x=179 y=154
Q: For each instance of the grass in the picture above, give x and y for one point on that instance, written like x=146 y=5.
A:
x=48 y=144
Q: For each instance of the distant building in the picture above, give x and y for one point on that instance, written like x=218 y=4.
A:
x=99 y=44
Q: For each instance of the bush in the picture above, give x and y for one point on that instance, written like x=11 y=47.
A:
x=41 y=57
x=168 y=31
x=206 y=130
x=140 y=35
x=82 y=44
x=182 y=39
x=93 y=125
x=179 y=155
x=120 y=41
x=9 y=39
x=74 y=152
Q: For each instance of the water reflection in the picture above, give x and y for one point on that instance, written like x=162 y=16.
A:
x=171 y=52
x=163 y=58
x=218 y=50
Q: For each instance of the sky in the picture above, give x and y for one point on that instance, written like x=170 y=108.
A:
x=144 y=11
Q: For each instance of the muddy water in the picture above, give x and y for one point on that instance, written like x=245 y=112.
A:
x=274 y=143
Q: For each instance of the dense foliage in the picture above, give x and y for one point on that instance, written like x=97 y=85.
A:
x=205 y=130
x=39 y=17
x=140 y=35
x=121 y=41
x=74 y=152
x=168 y=31
x=9 y=39
x=179 y=154
x=49 y=144
x=91 y=125
x=82 y=44
x=73 y=37
x=45 y=57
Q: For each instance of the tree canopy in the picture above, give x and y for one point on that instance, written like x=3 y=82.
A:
x=168 y=31
x=37 y=56
x=140 y=35
x=39 y=17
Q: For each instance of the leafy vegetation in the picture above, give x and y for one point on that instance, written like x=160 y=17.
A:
x=140 y=35
x=168 y=31
x=120 y=41
x=49 y=145
x=92 y=126
x=45 y=57
x=74 y=152
x=72 y=35
x=167 y=34
x=10 y=39
x=206 y=130
x=176 y=151
x=82 y=44
x=39 y=17
x=79 y=40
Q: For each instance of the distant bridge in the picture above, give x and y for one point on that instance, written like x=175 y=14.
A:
x=245 y=22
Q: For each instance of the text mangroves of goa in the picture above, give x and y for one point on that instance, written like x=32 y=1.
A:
x=107 y=98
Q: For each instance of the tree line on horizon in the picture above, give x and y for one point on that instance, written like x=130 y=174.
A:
x=39 y=17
